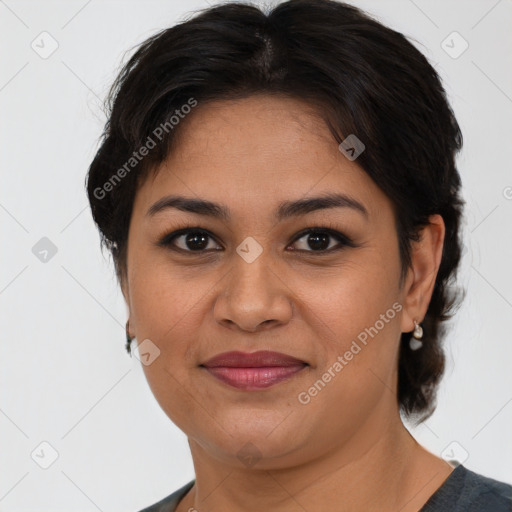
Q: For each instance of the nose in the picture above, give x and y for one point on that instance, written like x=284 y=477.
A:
x=253 y=298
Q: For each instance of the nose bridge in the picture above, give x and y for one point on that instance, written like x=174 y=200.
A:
x=251 y=264
x=252 y=294
x=252 y=276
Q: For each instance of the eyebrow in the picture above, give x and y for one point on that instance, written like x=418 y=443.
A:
x=285 y=209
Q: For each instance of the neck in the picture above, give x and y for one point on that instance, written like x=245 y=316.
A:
x=381 y=467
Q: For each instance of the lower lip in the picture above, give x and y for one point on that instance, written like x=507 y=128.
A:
x=254 y=378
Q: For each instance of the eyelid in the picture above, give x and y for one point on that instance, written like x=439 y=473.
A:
x=343 y=240
x=167 y=239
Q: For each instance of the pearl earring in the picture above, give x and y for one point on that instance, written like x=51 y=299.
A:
x=415 y=342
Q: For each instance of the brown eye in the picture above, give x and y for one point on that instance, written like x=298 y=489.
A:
x=190 y=241
x=320 y=240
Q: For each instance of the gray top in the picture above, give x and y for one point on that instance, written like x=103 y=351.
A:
x=462 y=491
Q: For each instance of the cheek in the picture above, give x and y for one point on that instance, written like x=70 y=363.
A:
x=346 y=300
x=358 y=335
x=356 y=312
x=162 y=296
x=165 y=311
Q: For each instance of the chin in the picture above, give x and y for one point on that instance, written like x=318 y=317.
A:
x=269 y=441
x=254 y=452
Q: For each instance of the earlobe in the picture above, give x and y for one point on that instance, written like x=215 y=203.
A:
x=426 y=257
x=129 y=335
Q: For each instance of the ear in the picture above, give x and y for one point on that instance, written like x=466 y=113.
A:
x=126 y=294
x=125 y=290
x=421 y=276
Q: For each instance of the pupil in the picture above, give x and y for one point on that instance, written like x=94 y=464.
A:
x=199 y=239
x=319 y=241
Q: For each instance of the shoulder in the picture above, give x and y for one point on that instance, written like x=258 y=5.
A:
x=487 y=494
x=170 y=503
x=467 y=491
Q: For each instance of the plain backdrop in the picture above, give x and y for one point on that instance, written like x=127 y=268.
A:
x=65 y=378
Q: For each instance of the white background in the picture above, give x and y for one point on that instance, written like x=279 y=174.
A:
x=65 y=377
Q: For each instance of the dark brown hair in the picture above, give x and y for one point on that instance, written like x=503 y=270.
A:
x=362 y=77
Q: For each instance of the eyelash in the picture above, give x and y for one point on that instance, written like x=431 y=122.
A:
x=168 y=239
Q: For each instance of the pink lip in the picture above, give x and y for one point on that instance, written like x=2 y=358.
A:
x=253 y=371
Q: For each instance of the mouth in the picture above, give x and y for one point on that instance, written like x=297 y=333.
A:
x=253 y=371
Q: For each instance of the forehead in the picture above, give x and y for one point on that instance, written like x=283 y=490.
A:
x=257 y=151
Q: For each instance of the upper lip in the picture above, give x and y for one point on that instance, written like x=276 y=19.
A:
x=263 y=358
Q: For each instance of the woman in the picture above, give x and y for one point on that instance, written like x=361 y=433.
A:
x=280 y=197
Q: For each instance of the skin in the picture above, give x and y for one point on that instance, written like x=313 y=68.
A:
x=347 y=447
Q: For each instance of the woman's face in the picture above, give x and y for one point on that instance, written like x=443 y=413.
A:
x=255 y=283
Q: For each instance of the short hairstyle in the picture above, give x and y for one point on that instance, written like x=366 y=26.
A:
x=360 y=76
